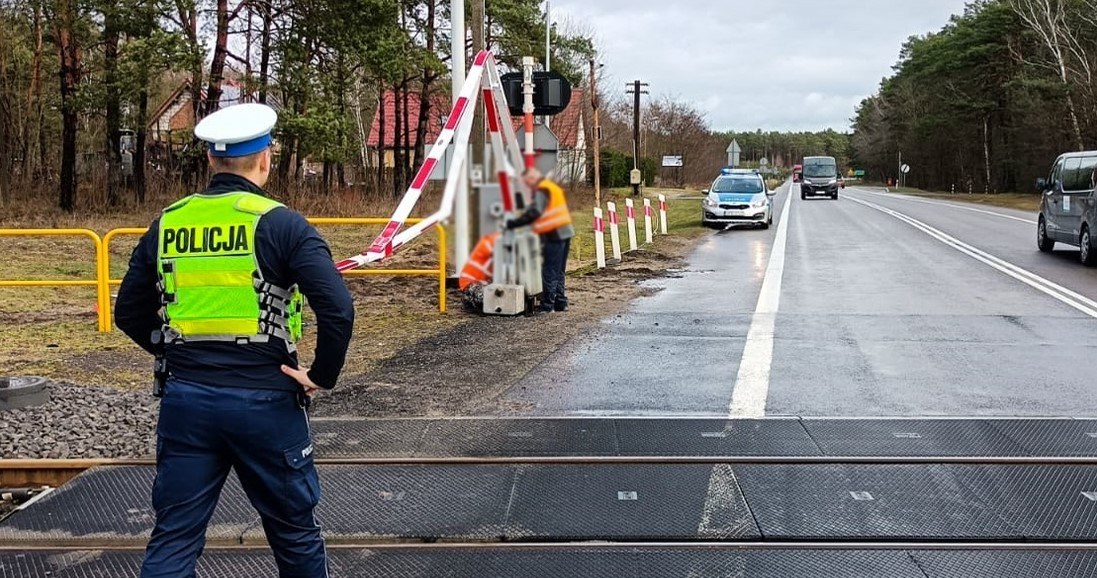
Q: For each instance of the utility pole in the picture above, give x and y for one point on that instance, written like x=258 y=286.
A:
x=461 y=206
x=477 y=141
x=547 y=120
x=636 y=89
x=596 y=135
x=548 y=37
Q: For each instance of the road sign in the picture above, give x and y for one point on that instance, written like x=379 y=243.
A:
x=904 y=169
x=546 y=145
x=763 y=162
x=672 y=161
x=733 y=151
x=859 y=173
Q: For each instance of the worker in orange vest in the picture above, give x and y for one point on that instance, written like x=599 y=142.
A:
x=550 y=218
x=477 y=272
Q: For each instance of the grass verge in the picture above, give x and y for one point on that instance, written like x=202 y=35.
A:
x=683 y=219
x=51 y=331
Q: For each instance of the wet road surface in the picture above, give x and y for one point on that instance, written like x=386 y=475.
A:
x=874 y=305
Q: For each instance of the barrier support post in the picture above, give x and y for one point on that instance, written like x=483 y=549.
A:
x=441 y=232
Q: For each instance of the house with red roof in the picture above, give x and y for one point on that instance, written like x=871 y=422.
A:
x=570 y=129
x=175 y=116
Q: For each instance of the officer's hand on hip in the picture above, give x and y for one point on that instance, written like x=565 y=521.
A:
x=301 y=375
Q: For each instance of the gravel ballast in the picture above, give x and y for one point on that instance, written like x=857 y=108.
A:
x=81 y=422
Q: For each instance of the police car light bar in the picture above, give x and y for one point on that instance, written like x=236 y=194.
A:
x=483 y=77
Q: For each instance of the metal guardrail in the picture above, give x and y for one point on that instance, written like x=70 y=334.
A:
x=102 y=293
x=103 y=281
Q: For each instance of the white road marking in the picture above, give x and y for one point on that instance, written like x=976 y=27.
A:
x=748 y=399
x=721 y=504
x=1079 y=302
x=945 y=204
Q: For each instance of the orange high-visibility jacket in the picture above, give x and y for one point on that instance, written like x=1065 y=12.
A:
x=556 y=214
x=479 y=265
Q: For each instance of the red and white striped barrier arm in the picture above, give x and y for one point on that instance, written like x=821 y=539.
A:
x=504 y=142
x=388 y=241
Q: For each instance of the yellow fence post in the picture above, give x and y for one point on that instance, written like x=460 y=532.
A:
x=441 y=232
x=111 y=234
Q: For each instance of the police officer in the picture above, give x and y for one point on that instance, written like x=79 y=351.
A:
x=217 y=283
x=550 y=218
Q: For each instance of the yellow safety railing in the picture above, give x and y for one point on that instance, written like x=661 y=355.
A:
x=102 y=292
x=103 y=281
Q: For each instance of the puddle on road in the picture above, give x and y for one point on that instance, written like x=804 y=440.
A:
x=661 y=282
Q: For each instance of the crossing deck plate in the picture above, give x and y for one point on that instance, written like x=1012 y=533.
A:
x=564 y=562
x=1042 y=502
x=907 y=437
x=112 y=504
x=704 y=437
x=913 y=502
x=1052 y=437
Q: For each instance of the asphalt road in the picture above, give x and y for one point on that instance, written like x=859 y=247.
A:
x=874 y=305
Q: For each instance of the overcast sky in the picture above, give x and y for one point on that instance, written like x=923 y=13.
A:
x=748 y=64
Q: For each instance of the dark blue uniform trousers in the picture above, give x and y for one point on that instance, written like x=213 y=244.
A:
x=554 y=255
x=263 y=435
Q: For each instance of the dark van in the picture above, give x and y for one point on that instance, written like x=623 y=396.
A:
x=820 y=178
x=1068 y=211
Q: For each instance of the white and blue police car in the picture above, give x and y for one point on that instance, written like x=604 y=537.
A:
x=737 y=197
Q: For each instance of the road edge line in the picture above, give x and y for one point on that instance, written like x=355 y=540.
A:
x=1050 y=288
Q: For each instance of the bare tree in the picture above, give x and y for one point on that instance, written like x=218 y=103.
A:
x=7 y=130
x=1048 y=19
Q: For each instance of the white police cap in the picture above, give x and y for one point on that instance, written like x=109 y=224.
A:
x=237 y=131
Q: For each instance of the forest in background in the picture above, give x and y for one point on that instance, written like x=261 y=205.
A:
x=989 y=101
x=80 y=81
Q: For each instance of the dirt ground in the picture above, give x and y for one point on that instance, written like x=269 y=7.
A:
x=465 y=369
x=405 y=357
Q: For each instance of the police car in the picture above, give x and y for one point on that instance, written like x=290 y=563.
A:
x=737 y=197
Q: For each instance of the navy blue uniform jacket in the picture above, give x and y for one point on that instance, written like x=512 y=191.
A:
x=290 y=251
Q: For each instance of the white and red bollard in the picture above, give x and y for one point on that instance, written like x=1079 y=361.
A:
x=647 y=221
x=663 y=214
x=614 y=231
x=599 y=238
x=630 y=222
